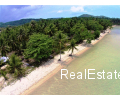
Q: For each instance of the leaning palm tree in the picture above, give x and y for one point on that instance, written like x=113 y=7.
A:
x=14 y=66
x=72 y=46
x=60 y=38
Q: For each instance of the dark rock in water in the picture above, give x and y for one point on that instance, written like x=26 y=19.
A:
x=51 y=57
x=70 y=55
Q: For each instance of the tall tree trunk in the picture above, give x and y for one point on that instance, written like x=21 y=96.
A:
x=71 y=53
x=60 y=52
x=60 y=55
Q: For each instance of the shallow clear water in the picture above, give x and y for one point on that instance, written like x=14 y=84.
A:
x=105 y=55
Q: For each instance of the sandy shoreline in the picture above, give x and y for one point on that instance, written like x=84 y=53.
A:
x=45 y=71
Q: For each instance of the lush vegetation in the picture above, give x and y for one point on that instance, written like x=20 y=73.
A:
x=116 y=21
x=14 y=66
x=39 y=47
x=38 y=40
x=24 y=21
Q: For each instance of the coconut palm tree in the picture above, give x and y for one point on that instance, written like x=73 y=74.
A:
x=50 y=30
x=14 y=66
x=3 y=47
x=33 y=23
x=72 y=46
x=22 y=38
x=60 y=38
x=13 y=43
x=21 y=34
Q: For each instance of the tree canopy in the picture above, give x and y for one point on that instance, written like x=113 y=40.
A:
x=39 y=39
x=39 y=47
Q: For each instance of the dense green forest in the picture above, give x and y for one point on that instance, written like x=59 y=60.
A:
x=24 y=21
x=43 y=39
x=115 y=21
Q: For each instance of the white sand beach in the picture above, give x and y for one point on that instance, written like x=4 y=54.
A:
x=22 y=85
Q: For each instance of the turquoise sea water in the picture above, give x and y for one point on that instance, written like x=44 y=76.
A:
x=105 y=55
